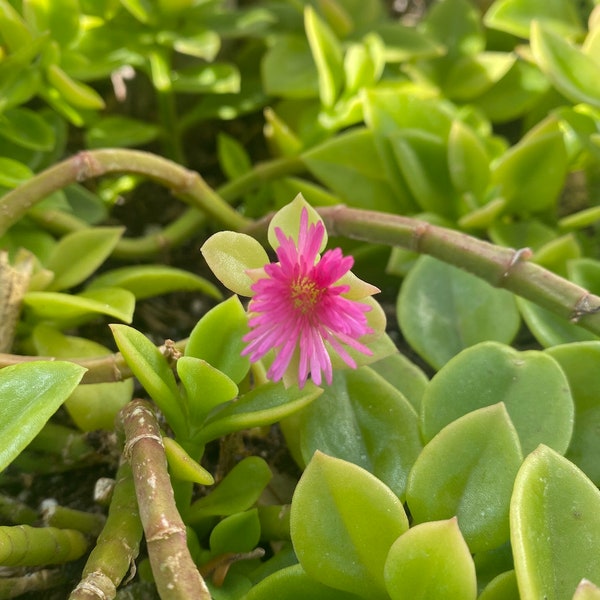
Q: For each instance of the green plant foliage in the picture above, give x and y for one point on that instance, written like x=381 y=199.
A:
x=120 y=132
x=530 y=384
x=79 y=254
x=183 y=466
x=480 y=450
x=292 y=583
x=73 y=309
x=236 y=492
x=347 y=423
x=348 y=164
x=205 y=388
x=327 y=55
x=516 y=16
x=93 y=406
x=262 y=406
x=27 y=129
x=217 y=339
x=32 y=393
x=555 y=524
x=154 y=373
x=455 y=118
x=146 y=281
x=431 y=560
x=343 y=523
x=502 y=587
x=239 y=532
x=512 y=174
x=570 y=70
x=404 y=375
x=550 y=330
x=578 y=361
x=443 y=310
x=586 y=590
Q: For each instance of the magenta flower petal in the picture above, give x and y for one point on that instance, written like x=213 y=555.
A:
x=298 y=312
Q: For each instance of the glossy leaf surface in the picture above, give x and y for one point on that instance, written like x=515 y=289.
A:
x=531 y=385
x=91 y=406
x=364 y=420
x=579 y=362
x=154 y=373
x=467 y=470
x=343 y=523
x=555 y=526
x=32 y=392
x=442 y=310
x=217 y=339
x=431 y=560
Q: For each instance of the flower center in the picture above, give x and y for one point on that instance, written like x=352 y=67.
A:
x=305 y=294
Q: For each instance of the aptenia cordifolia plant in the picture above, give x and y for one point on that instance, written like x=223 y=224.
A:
x=400 y=400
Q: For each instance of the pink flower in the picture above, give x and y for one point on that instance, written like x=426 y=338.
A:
x=299 y=312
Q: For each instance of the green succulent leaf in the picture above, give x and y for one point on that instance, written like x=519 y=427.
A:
x=264 y=405
x=578 y=361
x=327 y=54
x=348 y=164
x=233 y=157
x=531 y=174
x=13 y=28
x=32 y=392
x=422 y=159
x=348 y=424
x=60 y=17
x=230 y=255
x=468 y=161
x=343 y=522
x=13 y=172
x=572 y=72
x=147 y=281
x=182 y=466
x=502 y=587
x=550 y=329
x=236 y=533
x=443 y=310
x=516 y=16
x=431 y=560
x=555 y=526
x=73 y=309
x=467 y=470
x=79 y=254
x=205 y=386
x=120 y=132
x=292 y=583
x=217 y=339
x=288 y=69
x=26 y=128
x=236 y=492
x=151 y=368
x=473 y=75
x=531 y=384
x=586 y=590
x=92 y=406
x=75 y=93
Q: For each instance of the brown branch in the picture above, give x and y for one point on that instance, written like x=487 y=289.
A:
x=175 y=573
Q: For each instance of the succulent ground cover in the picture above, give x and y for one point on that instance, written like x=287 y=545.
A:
x=300 y=299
